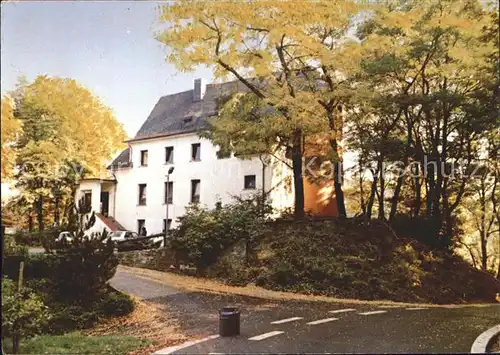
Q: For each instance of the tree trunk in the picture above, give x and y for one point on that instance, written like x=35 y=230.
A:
x=430 y=192
x=337 y=162
x=39 y=212
x=298 y=181
x=418 y=193
x=15 y=343
x=30 y=222
x=371 y=199
x=56 y=210
x=484 y=255
x=498 y=269
x=482 y=230
x=339 y=193
x=337 y=179
x=381 y=212
x=362 y=193
x=418 y=171
x=399 y=183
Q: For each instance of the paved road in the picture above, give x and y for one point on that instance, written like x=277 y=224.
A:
x=317 y=327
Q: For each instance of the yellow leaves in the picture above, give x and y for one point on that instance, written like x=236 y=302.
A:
x=10 y=127
x=200 y=33
x=86 y=131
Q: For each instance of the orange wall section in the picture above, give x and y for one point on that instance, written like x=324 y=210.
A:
x=320 y=200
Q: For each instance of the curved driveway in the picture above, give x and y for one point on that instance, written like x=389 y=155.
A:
x=315 y=327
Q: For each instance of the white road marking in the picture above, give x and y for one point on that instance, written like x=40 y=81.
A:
x=389 y=306
x=372 y=312
x=416 y=308
x=175 y=348
x=342 y=310
x=321 y=321
x=281 y=321
x=483 y=340
x=266 y=335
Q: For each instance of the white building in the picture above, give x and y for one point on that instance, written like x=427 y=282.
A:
x=136 y=196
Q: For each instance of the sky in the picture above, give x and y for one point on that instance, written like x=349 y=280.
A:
x=108 y=47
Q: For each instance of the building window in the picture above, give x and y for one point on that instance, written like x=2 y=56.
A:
x=250 y=182
x=169 y=192
x=169 y=224
x=169 y=155
x=142 y=194
x=141 y=224
x=87 y=198
x=195 y=191
x=85 y=203
x=223 y=154
x=195 y=152
x=144 y=158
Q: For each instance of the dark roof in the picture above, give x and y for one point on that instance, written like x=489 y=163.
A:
x=122 y=160
x=98 y=179
x=179 y=113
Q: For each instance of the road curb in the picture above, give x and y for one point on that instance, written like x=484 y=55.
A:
x=175 y=348
x=482 y=341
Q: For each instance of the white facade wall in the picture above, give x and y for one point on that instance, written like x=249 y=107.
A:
x=219 y=180
x=98 y=227
x=95 y=187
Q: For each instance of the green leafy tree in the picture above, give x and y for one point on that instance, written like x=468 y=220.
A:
x=431 y=62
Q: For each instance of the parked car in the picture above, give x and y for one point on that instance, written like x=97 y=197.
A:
x=119 y=236
x=64 y=236
x=127 y=240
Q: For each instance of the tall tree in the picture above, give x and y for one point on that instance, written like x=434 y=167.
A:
x=432 y=58
x=286 y=56
x=67 y=132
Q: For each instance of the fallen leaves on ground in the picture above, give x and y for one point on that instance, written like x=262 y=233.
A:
x=190 y=283
x=147 y=321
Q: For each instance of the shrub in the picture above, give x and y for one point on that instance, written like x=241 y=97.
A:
x=76 y=316
x=116 y=304
x=341 y=258
x=202 y=234
x=83 y=268
x=36 y=266
x=23 y=313
x=70 y=317
x=11 y=247
x=79 y=272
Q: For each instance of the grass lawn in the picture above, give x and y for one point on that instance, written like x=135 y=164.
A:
x=77 y=343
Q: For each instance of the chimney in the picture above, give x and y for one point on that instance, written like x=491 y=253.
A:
x=199 y=90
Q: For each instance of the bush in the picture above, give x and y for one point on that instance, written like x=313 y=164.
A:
x=352 y=258
x=73 y=281
x=36 y=266
x=11 y=247
x=116 y=304
x=203 y=235
x=23 y=313
x=70 y=317
x=84 y=267
x=76 y=316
